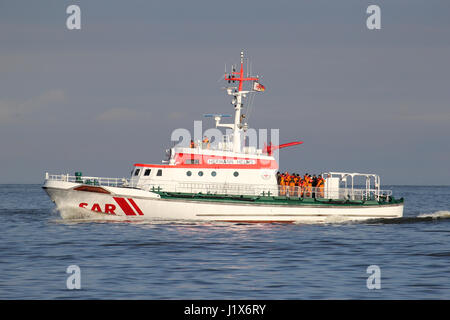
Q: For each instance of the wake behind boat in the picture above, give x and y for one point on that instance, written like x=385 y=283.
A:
x=225 y=181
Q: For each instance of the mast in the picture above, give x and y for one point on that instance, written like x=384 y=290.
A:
x=238 y=94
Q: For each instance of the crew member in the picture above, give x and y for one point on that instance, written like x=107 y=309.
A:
x=282 y=185
x=296 y=187
x=308 y=185
x=320 y=186
x=287 y=181
x=314 y=185
x=206 y=143
x=300 y=186
x=292 y=185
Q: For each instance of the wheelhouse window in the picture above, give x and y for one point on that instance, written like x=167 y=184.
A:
x=147 y=172
x=159 y=173
x=136 y=172
x=191 y=161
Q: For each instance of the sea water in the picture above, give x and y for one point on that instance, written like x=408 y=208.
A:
x=405 y=258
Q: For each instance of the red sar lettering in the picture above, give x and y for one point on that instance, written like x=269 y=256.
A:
x=109 y=208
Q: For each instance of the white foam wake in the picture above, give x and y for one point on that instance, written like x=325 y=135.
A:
x=70 y=214
x=77 y=215
x=435 y=215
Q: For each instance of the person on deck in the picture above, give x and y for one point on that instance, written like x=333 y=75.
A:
x=206 y=143
x=287 y=181
x=292 y=185
x=308 y=185
x=283 y=185
x=296 y=188
x=314 y=185
x=300 y=187
x=320 y=186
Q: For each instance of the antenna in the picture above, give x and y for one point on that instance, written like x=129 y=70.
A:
x=239 y=75
x=238 y=95
x=247 y=66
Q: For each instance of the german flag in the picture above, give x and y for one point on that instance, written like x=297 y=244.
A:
x=258 y=87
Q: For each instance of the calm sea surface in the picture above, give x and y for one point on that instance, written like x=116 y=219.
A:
x=149 y=260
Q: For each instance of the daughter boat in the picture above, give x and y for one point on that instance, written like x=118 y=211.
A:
x=225 y=181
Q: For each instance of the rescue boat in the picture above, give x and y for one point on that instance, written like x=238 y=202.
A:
x=226 y=181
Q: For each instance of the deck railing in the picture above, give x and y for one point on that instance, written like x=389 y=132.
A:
x=292 y=192
x=97 y=181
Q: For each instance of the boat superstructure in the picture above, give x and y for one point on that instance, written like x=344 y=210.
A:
x=224 y=180
x=224 y=161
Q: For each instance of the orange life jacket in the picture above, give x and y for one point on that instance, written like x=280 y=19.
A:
x=320 y=183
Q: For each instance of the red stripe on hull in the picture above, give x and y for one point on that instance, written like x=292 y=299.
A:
x=135 y=206
x=124 y=206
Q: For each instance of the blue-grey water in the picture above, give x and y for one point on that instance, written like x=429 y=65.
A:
x=149 y=260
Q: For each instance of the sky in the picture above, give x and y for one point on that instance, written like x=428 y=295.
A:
x=99 y=99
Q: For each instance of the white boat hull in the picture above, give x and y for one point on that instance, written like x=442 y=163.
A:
x=139 y=204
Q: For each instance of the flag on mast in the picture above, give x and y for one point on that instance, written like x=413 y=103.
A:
x=258 y=87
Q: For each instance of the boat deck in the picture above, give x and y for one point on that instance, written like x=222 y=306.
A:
x=276 y=200
x=249 y=193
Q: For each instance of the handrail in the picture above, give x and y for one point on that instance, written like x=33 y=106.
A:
x=291 y=192
x=100 y=181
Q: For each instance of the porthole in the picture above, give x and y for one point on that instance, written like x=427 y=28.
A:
x=213 y=173
x=235 y=173
x=189 y=173
x=200 y=173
